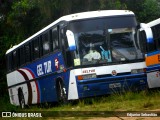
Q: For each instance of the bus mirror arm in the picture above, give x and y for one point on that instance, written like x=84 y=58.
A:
x=138 y=26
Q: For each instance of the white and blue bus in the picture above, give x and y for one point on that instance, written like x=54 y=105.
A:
x=151 y=48
x=77 y=56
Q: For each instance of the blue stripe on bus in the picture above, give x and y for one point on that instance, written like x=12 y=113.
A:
x=72 y=48
x=153 y=68
x=149 y=40
x=153 y=53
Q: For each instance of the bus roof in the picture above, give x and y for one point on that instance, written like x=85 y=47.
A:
x=76 y=16
x=154 y=22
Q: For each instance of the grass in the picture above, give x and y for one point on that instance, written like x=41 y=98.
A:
x=124 y=102
x=6 y=106
x=142 y=101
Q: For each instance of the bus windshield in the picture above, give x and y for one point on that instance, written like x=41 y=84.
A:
x=98 y=43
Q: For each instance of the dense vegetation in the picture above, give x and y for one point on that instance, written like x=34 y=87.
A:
x=21 y=18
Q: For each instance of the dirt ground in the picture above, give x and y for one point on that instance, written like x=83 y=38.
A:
x=155 y=115
x=127 y=118
x=132 y=118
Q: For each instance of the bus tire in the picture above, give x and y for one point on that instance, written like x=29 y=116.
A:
x=21 y=98
x=61 y=92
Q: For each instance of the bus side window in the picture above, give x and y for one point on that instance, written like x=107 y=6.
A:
x=15 y=59
x=45 y=43
x=36 y=48
x=64 y=38
x=9 y=62
x=54 y=41
x=156 y=35
x=142 y=41
x=27 y=53
x=22 y=56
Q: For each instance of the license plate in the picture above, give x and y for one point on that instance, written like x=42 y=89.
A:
x=114 y=85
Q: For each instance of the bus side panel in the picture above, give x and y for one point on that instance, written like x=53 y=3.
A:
x=43 y=74
x=14 y=78
x=34 y=92
x=153 y=69
x=13 y=95
x=48 y=86
x=153 y=58
x=47 y=89
x=153 y=76
x=37 y=80
x=72 y=90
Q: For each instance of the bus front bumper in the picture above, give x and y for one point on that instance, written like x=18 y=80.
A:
x=109 y=85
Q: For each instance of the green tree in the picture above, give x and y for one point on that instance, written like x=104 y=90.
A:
x=150 y=11
x=23 y=18
x=19 y=19
x=112 y=5
x=145 y=10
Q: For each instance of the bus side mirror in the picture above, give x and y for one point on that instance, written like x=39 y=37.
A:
x=71 y=40
x=148 y=31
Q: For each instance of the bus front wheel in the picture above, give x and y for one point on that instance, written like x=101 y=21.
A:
x=61 y=92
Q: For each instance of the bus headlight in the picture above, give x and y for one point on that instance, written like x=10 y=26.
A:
x=85 y=77
x=135 y=71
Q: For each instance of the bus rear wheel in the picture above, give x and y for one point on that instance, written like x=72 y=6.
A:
x=61 y=92
x=21 y=99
